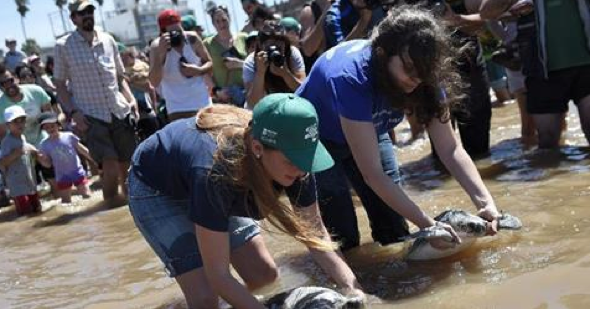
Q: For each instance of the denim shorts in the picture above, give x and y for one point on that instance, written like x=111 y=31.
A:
x=165 y=224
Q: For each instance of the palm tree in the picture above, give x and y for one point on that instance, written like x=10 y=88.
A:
x=22 y=6
x=100 y=3
x=60 y=4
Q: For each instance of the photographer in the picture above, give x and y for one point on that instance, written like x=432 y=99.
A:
x=178 y=61
x=275 y=66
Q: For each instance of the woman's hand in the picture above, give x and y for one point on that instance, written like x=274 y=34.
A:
x=354 y=293
x=281 y=71
x=442 y=243
x=491 y=214
x=261 y=62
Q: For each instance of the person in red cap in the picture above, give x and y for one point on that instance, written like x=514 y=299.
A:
x=178 y=64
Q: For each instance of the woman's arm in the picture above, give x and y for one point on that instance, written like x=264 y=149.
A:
x=215 y=252
x=362 y=140
x=330 y=261
x=255 y=89
x=461 y=166
x=292 y=79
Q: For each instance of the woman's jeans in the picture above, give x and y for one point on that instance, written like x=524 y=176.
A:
x=165 y=224
x=335 y=199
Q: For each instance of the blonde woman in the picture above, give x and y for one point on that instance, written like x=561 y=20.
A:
x=196 y=186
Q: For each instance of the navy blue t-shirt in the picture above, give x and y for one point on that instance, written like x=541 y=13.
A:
x=339 y=84
x=178 y=160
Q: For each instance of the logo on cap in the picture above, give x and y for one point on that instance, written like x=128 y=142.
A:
x=269 y=136
x=311 y=132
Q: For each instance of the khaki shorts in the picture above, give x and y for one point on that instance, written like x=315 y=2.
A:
x=108 y=141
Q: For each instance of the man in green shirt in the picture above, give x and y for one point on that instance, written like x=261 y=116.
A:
x=556 y=59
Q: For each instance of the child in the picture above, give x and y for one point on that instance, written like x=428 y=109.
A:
x=61 y=150
x=15 y=160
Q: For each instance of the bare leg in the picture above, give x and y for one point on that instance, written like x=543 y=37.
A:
x=502 y=95
x=65 y=195
x=83 y=190
x=584 y=111
x=254 y=263
x=416 y=127
x=197 y=291
x=548 y=129
x=527 y=125
x=110 y=179
x=123 y=172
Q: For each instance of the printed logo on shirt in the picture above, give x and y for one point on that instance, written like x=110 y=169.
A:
x=269 y=136
x=311 y=132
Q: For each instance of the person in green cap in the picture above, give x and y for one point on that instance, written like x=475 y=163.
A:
x=292 y=29
x=225 y=169
x=189 y=23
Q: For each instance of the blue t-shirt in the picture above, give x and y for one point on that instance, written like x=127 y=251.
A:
x=340 y=85
x=341 y=19
x=178 y=161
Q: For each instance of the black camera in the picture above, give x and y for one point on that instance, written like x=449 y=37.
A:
x=275 y=56
x=175 y=38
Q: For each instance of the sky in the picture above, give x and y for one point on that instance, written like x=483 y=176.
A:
x=38 y=21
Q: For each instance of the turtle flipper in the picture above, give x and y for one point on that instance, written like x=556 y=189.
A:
x=509 y=222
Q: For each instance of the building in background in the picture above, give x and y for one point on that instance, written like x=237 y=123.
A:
x=137 y=24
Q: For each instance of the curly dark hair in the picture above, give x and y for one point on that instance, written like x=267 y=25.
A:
x=414 y=34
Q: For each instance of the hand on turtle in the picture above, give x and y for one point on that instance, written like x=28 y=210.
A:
x=443 y=243
x=490 y=214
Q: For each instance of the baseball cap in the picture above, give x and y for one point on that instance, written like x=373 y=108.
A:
x=47 y=117
x=188 y=22
x=80 y=5
x=167 y=18
x=13 y=112
x=290 y=24
x=289 y=123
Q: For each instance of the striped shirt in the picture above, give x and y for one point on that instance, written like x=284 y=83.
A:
x=91 y=71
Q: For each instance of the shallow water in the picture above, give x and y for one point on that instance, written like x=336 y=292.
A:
x=87 y=256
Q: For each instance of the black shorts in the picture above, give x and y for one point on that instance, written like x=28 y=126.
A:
x=115 y=140
x=551 y=96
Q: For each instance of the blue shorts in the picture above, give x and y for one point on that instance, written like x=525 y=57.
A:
x=165 y=225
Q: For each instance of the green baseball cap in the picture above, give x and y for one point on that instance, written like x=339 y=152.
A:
x=289 y=123
x=290 y=24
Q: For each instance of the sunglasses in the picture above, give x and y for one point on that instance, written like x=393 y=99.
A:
x=7 y=82
x=85 y=12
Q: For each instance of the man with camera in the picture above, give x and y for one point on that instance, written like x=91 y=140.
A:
x=275 y=66
x=94 y=94
x=554 y=44
x=178 y=63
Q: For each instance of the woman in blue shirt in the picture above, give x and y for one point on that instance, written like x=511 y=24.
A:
x=360 y=90
x=196 y=186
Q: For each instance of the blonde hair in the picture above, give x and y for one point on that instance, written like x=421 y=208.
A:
x=230 y=127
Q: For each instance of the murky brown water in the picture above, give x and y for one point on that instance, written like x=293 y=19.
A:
x=85 y=256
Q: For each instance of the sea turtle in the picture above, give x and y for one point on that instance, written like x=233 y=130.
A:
x=312 y=297
x=467 y=226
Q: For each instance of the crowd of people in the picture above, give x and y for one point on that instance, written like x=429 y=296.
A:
x=201 y=134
